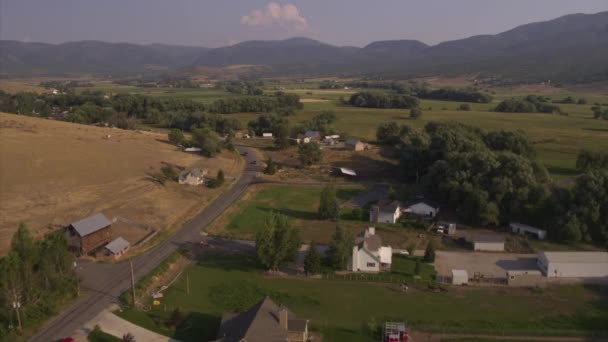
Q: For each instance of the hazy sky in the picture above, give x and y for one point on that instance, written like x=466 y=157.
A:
x=223 y=22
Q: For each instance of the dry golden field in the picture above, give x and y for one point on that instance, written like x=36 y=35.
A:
x=53 y=173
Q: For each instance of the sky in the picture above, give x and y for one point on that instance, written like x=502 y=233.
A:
x=226 y=22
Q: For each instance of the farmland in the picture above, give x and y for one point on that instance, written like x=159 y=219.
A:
x=337 y=310
x=54 y=173
x=558 y=138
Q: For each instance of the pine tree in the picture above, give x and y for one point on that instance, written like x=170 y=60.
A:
x=312 y=262
x=328 y=204
x=429 y=253
x=340 y=248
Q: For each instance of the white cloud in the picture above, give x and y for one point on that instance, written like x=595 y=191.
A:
x=273 y=15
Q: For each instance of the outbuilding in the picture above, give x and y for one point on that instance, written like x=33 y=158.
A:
x=488 y=242
x=354 y=145
x=460 y=277
x=89 y=233
x=523 y=229
x=574 y=264
x=118 y=247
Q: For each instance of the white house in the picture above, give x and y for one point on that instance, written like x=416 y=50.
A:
x=422 y=209
x=368 y=253
x=192 y=177
x=522 y=229
x=574 y=264
x=488 y=242
x=386 y=211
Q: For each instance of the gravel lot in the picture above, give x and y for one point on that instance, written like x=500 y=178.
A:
x=489 y=264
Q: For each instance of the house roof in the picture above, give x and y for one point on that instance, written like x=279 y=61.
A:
x=194 y=173
x=576 y=257
x=117 y=245
x=488 y=238
x=388 y=206
x=312 y=134
x=428 y=203
x=260 y=323
x=91 y=224
x=352 y=141
x=371 y=242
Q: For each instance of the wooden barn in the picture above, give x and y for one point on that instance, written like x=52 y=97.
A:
x=89 y=233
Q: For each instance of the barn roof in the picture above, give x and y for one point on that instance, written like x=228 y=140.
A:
x=91 y=224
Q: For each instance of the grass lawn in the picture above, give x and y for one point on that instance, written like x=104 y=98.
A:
x=100 y=336
x=341 y=310
x=300 y=203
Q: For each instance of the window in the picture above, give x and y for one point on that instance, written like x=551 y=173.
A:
x=371 y=264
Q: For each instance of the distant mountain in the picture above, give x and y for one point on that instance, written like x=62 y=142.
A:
x=91 y=57
x=572 y=48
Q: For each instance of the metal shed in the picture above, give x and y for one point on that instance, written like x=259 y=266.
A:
x=574 y=264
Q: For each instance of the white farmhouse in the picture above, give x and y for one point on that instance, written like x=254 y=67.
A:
x=422 y=209
x=192 y=177
x=574 y=264
x=368 y=253
x=386 y=211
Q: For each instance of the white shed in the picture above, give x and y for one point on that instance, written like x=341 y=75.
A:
x=488 y=242
x=460 y=277
x=267 y=135
x=574 y=264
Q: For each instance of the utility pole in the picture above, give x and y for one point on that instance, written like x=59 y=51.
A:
x=77 y=279
x=132 y=281
x=187 y=283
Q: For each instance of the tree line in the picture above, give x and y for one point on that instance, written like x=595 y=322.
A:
x=375 y=99
x=492 y=178
x=529 y=104
x=37 y=276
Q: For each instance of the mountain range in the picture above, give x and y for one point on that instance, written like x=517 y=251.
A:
x=572 y=48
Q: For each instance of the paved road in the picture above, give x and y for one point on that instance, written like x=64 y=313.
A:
x=103 y=283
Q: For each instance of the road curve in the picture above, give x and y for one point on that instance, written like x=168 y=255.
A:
x=102 y=283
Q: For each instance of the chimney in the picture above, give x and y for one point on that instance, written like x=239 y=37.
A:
x=283 y=318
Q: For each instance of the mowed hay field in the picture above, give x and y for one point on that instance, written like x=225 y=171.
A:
x=53 y=173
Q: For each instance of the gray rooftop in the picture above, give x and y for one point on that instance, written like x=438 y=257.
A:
x=312 y=134
x=352 y=142
x=577 y=257
x=91 y=224
x=117 y=245
x=260 y=323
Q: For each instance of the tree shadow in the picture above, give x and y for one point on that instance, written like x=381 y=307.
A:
x=198 y=326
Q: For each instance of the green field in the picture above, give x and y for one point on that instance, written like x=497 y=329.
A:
x=342 y=310
x=299 y=203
